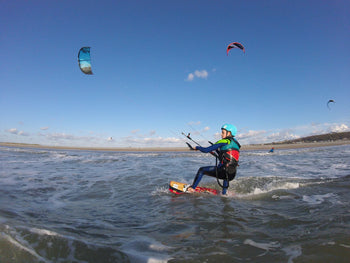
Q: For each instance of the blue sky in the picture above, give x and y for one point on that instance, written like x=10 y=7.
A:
x=160 y=68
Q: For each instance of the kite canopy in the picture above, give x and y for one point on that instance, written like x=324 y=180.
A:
x=330 y=102
x=84 y=60
x=235 y=45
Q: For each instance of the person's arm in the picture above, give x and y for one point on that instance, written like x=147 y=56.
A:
x=211 y=148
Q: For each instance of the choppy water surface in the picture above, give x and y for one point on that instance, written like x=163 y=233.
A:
x=89 y=206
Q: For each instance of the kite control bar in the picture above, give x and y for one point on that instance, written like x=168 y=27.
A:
x=190 y=146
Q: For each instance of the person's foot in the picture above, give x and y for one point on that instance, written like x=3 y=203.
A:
x=190 y=189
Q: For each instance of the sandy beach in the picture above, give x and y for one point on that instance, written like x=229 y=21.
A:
x=179 y=149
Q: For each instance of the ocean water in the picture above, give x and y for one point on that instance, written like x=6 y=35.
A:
x=92 y=206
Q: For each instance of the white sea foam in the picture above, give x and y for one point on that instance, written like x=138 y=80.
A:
x=318 y=199
x=282 y=197
x=270 y=187
x=146 y=250
x=22 y=247
x=343 y=245
x=273 y=187
x=160 y=190
x=293 y=252
x=264 y=246
x=43 y=232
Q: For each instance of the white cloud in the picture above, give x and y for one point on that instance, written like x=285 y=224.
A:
x=203 y=74
x=321 y=128
x=339 y=128
x=17 y=132
x=66 y=139
x=194 y=123
x=152 y=141
x=13 y=131
x=250 y=134
x=252 y=137
x=162 y=140
x=22 y=133
x=190 y=77
x=198 y=132
x=282 y=136
x=149 y=139
x=62 y=136
x=44 y=128
x=262 y=136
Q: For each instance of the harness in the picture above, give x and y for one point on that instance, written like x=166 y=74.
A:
x=228 y=157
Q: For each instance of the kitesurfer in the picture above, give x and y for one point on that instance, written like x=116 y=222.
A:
x=272 y=150
x=228 y=155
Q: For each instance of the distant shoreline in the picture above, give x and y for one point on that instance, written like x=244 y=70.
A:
x=178 y=149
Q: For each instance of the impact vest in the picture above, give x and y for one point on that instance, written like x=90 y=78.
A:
x=229 y=154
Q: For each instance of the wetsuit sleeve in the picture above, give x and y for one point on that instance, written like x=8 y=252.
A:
x=211 y=148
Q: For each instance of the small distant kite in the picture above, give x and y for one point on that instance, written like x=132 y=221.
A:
x=235 y=45
x=84 y=60
x=330 y=102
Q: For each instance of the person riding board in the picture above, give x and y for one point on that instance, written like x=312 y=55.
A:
x=228 y=154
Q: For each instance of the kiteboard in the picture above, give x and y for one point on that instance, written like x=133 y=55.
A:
x=180 y=188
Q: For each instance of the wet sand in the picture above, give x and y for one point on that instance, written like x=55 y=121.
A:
x=179 y=149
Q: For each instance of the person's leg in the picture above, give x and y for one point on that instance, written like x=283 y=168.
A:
x=206 y=170
x=225 y=187
x=230 y=177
